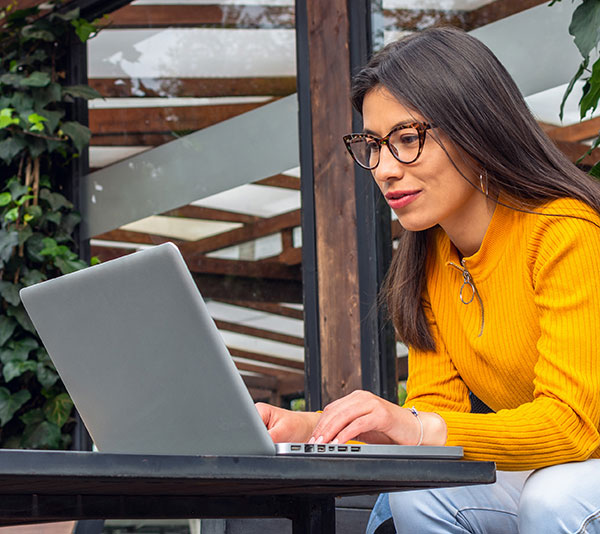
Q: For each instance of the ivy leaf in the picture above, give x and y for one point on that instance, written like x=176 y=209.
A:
x=10 y=292
x=585 y=26
x=7 y=119
x=83 y=29
x=54 y=118
x=18 y=350
x=16 y=368
x=37 y=79
x=22 y=318
x=9 y=404
x=44 y=435
x=595 y=170
x=8 y=242
x=5 y=198
x=67 y=266
x=78 y=133
x=33 y=417
x=32 y=32
x=10 y=147
x=12 y=214
x=45 y=95
x=25 y=233
x=7 y=327
x=56 y=200
x=46 y=376
x=16 y=188
x=33 y=277
x=11 y=79
x=34 y=246
x=37 y=122
x=81 y=91
x=58 y=409
x=35 y=211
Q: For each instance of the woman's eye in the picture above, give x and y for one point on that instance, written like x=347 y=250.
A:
x=409 y=139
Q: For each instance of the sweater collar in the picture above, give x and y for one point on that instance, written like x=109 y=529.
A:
x=492 y=248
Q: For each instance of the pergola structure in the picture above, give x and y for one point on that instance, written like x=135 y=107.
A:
x=299 y=317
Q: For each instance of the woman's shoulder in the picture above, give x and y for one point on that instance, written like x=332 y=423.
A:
x=569 y=208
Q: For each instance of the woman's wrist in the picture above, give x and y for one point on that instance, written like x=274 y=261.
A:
x=435 y=431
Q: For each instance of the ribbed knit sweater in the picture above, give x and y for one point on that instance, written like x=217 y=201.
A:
x=528 y=343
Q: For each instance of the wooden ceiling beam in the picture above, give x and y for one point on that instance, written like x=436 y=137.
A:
x=266 y=358
x=269 y=371
x=276 y=309
x=236 y=236
x=127 y=236
x=194 y=87
x=211 y=16
x=263 y=290
x=497 y=10
x=163 y=120
x=281 y=180
x=211 y=214
x=260 y=333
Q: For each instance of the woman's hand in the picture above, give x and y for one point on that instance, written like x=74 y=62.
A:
x=369 y=418
x=285 y=425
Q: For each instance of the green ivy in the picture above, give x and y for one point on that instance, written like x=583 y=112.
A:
x=37 y=144
x=585 y=29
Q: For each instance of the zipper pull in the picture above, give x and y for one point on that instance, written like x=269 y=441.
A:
x=468 y=281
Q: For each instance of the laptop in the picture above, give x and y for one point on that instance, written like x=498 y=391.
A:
x=149 y=372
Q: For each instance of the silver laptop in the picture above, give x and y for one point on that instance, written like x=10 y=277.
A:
x=147 y=369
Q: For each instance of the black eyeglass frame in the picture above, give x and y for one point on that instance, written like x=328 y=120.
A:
x=421 y=130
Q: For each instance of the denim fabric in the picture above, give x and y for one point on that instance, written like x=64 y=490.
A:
x=381 y=513
x=562 y=499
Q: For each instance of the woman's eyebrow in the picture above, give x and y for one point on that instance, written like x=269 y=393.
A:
x=401 y=123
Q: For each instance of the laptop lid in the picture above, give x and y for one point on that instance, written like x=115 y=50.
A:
x=147 y=369
x=143 y=361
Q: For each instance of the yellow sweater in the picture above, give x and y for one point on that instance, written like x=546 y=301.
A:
x=529 y=347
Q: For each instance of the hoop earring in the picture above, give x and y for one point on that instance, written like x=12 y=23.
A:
x=482 y=185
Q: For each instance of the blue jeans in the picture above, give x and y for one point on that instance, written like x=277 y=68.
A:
x=561 y=499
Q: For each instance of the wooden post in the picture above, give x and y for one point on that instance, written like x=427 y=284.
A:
x=334 y=279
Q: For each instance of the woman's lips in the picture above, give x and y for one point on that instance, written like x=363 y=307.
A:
x=400 y=199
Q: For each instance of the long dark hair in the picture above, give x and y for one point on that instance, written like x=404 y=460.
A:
x=456 y=82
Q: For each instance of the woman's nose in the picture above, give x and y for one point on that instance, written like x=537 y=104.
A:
x=389 y=168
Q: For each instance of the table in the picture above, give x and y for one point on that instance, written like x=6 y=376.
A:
x=43 y=486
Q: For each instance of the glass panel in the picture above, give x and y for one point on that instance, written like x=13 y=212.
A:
x=195 y=142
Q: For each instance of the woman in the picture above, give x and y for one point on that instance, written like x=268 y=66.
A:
x=495 y=288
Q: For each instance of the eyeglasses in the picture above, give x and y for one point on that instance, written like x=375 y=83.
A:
x=405 y=142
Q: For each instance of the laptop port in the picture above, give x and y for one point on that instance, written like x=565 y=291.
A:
x=342 y=448
x=296 y=447
x=355 y=449
x=308 y=448
x=321 y=448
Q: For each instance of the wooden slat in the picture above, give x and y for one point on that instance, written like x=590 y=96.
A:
x=281 y=180
x=269 y=371
x=260 y=290
x=133 y=139
x=276 y=309
x=575 y=150
x=213 y=16
x=127 y=236
x=259 y=332
x=576 y=132
x=201 y=264
x=499 y=9
x=290 y=256
x=266 y=358
x=211 y=214
x=246 y=233
x=194 y=87
x=163 y=120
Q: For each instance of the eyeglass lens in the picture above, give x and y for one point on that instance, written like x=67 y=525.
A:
x=403 y=143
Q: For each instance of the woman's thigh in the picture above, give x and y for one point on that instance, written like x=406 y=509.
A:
x=482 y=509
x=562 y=499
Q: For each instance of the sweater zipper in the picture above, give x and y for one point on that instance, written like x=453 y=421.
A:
x=468 y=281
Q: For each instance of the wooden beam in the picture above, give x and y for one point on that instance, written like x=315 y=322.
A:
x=260 y=332
x=576 y=132
x=281 y=180
x=127 y=236
x=163 y=120
x=263 y=290
x=269 y=371
x=574 y=151
x=212 y=16
x=497 y=10
x=211 y=214
x=236 y=236
x=326 y=72
x=276 y=309
x=194 y=87
x=266 y=358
